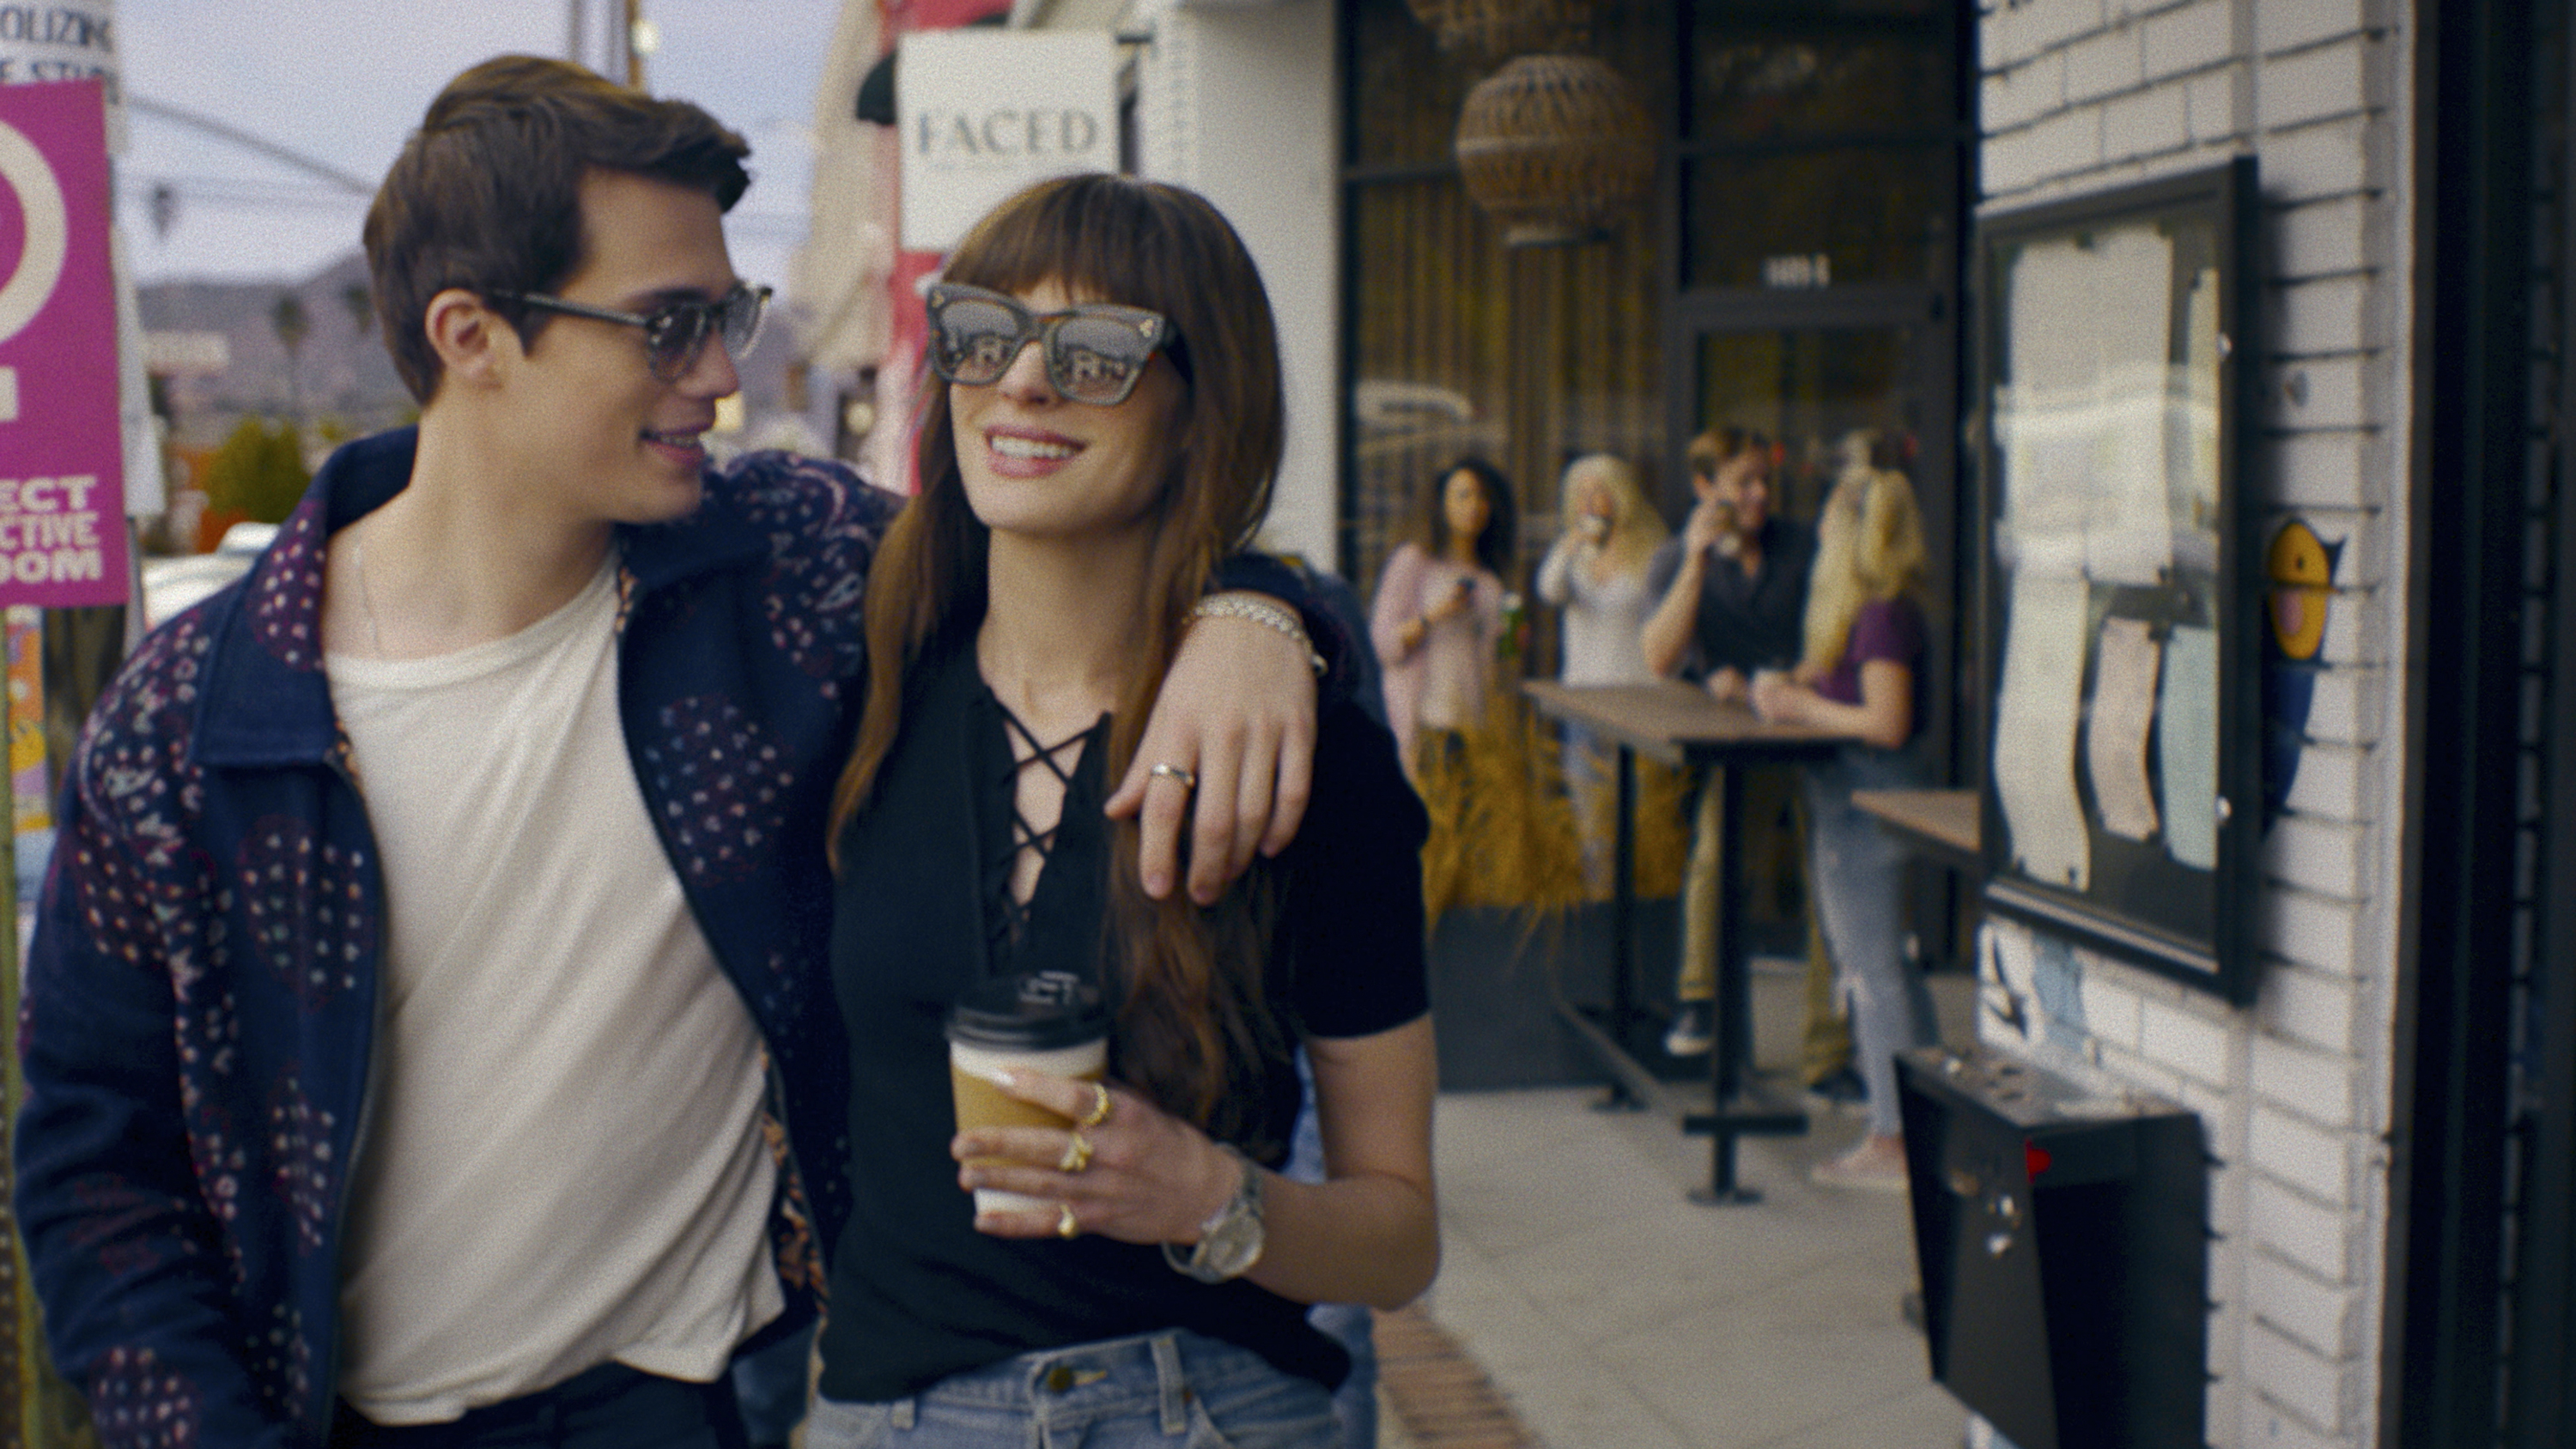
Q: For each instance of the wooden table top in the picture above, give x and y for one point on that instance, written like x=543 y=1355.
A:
x=1678 y=723
x=1946 y=818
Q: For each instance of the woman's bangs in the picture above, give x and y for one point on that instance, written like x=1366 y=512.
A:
x=1081 y=233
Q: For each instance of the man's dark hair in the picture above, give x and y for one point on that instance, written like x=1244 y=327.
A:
x=487 y=193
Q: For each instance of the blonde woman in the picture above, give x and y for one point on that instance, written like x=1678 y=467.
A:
x=1596 y=574
x=1859 y=676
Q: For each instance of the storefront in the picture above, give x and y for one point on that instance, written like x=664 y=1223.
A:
x=2390 y=1107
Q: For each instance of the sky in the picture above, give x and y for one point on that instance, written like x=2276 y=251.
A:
x=343 y=82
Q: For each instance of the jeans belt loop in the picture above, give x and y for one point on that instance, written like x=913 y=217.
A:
x=903 y=1413
x=1174 y=1383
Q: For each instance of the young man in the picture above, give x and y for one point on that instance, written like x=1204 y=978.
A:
x=1733 y=592
x=427 y=1035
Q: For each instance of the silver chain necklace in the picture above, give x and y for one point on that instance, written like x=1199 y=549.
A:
x=366 y=596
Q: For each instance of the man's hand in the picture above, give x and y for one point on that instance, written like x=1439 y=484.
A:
x=1235 y=721
x=1709 y=522
x=1726 y=686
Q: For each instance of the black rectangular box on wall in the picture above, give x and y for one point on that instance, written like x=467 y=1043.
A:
x=2063 y=1242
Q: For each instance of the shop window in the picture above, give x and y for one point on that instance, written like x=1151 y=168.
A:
x=1765 y=88
x=1871 y=214
x=1459 y=346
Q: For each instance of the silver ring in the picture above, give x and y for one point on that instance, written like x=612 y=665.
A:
x=1169 y=771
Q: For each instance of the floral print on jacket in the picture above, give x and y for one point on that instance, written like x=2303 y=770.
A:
x=199 y=1004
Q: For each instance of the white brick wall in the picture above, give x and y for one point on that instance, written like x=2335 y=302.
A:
x=2312 y=930
x=2321 y=1317
x=2078 y=95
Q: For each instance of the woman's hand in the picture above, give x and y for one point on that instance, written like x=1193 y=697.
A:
x=1779 y=698
x=1140 y=1175
x=1884 y=719
x=1452 y=603
x=1726 y=686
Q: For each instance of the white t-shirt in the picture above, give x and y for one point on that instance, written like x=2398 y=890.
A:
x=560 y=1162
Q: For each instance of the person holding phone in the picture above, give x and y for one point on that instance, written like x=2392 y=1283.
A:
x=1437 y=620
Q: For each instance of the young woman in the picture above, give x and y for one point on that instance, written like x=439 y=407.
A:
x=1438 y=614
x=1108 y=429
x=1596 y=571
x=1864 y=656
x=1596 y=574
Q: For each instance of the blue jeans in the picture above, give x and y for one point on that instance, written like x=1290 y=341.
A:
x=608 y=1407
x=1857 y=871
x=1590 y=765
x=771 y=1387
x=1173 y=1390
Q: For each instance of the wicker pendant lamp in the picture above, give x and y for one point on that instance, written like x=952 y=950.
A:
x=1552 y=146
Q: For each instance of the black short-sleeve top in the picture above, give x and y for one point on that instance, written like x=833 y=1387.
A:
x=916 y=1293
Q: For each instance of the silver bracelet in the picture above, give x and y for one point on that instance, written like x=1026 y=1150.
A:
x=1265 y=613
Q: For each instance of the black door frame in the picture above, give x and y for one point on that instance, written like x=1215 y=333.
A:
x=2466 y=496
x=2540 y=1403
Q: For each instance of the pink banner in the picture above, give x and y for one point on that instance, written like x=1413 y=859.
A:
x=62 y=473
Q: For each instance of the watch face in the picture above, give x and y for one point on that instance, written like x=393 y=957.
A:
x=1233 y=1248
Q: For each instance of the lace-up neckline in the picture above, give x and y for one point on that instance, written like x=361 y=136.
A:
x=1007 y=912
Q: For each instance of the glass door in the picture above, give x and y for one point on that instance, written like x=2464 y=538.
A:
x=1810 y=370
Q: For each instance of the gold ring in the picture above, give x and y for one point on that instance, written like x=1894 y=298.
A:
x=1065 y=1226
x=1169 y=771
x=1099 y=1112
x=1077 y=1153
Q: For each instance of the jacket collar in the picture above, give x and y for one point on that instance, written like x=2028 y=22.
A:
x=264 y=699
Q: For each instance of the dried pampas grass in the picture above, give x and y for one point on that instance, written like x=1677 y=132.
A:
x=1503 y=829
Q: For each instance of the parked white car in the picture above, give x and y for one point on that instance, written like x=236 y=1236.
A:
x=172 y=584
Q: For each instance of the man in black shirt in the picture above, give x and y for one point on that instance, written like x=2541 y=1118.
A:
x=1733 y=592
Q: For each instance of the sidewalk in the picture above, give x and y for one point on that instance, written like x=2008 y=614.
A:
x=1607 y=1310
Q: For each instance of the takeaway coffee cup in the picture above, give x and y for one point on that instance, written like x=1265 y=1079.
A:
x=1048 y=1022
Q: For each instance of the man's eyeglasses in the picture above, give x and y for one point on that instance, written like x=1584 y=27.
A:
x=674 y=334
x=1095 y=352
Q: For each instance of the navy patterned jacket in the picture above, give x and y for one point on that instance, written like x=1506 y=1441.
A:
x=200 y=998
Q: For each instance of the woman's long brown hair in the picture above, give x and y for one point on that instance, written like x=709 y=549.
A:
x=1193 y=1031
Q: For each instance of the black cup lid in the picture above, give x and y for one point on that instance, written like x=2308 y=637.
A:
x=1039 y=1012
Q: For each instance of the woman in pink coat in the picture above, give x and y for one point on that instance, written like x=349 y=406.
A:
x=1438 y=615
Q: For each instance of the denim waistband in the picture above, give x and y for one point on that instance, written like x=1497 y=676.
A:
x=1157 y=1371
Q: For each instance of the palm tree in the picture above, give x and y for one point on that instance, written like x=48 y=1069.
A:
x=291 y=323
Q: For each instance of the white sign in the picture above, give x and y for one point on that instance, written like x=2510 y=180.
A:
x=984 y=113
x=51 y=40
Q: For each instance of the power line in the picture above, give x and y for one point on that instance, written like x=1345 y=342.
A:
x=164 y=194
x=236 y=194
x=260 y=144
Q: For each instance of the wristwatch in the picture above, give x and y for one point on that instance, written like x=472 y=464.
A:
x=1230 y=1240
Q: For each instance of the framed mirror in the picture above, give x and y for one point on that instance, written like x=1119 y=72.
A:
x=2122 y=800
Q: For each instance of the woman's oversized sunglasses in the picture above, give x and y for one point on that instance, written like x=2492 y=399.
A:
x=1095 y=352
x=676 y=333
